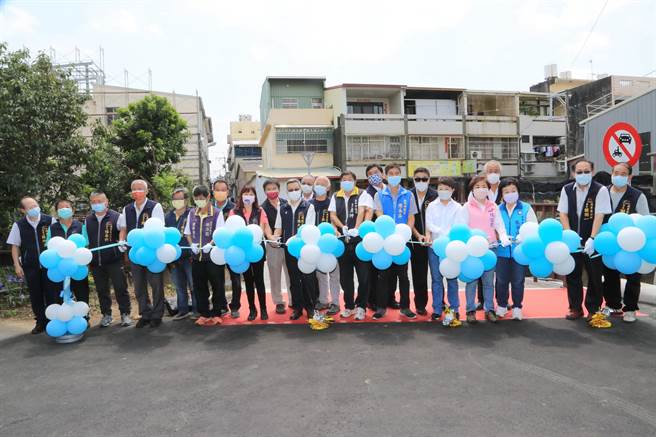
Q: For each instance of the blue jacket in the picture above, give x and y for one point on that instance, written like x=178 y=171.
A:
x=399 y=211
x=512 y=224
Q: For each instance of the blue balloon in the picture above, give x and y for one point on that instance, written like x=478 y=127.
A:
x=77 y=325
x=78 y=239
x=605 y=227
x=328 y=243
x=67 y=266
x=466 y=279
x=519 y=256
x=294 y=246
x=132 y=255
x=647 y=223
x=326 y=228
x=627 y=262
x=403 y=258
x=243 y=238
x=171 y=236
x=362 y=253
x=385 y=226
x=55 y=275
x=472 y=267
x=240 y=268
x=439 y=246
x=479 y=232
x=489 y=260
x=254 y=253
x=49 y=258
x=222 y=238
x=572 y=239
x=533 y=247
x=235 y=255
x=81 y=273
x=366 y=227
x=606 y=243
x=381 y=259
x=56 y=328
x=153 y=238
x=540 y=267
x=135 y=237
x=460 y=232
x=609 y=261
x=145 y=256
x=619 y=221
x=178 y=251
x=550 y=230
x=339 y=250
x=156 y=266
x=648 y=253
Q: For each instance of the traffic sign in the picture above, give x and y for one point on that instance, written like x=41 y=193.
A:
x=622 y=144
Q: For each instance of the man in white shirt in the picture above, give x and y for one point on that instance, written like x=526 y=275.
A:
x=307 y=187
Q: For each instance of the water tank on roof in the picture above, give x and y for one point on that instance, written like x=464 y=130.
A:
x=550 y=70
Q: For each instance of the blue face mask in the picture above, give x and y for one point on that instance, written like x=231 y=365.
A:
x=65 y=213
x=583 y=178
x=320 y=190
x=347 y=186
x=98 y=207
x=620 y=181
x=34 y=212
x=375 y=179
x=394 y=180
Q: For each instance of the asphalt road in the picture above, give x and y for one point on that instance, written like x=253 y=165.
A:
x=536 y=377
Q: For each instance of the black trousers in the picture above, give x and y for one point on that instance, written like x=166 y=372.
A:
x=304 y=286
x=594 y=294
x=40 y=290
x=80 y=290
x=388 y=279
x=479 y=292
x=254 y=280
x=235 y=280
x=373 y=284
x=347 y=263
x=613 y=292
x=102 y=275
x=205 y=274
x=419 y=267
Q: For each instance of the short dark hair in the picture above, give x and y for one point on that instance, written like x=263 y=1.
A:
x=182 y=190
x=62 y=200
x=583 y=160
x=389 y=167
x=270 y=182
x=449 y=182
x=477 y=179
x=220 y=181
x=201 y=190
x=370 y=166
x=421 y=170
x=348 y=173
x=506 y=182
x=603 y=177
x=625 y=165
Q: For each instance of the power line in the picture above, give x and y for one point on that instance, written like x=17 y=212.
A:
x=590 y=33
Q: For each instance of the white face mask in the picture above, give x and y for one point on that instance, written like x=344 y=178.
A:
x=307 y=189
x=248 y=199
x=493 y=178
x=294 y=195
x=480 y=193
x=444 y=194
x=421 y=186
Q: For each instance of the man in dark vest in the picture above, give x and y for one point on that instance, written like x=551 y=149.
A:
x=423 y=195
x=224 y=205
x=624 y=198
x=295 y=213
x=28 y=239
x=134 y=216
x=583 y=205
x=102 y=229
x=347 y=215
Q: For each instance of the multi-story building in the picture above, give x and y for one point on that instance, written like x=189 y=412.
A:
x=244 y=157
x=107 y=99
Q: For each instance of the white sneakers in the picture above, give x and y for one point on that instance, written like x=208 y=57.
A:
x=347 y=313
x=517 y=314
x=360 y=313
x=501 y=311
x=105 y=321
x=629 y=316
x=126 y=320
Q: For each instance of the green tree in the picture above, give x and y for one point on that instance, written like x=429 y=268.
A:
x=165 y=183
x=41 y=115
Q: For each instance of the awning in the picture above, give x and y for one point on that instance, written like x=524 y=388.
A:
x=289 y=173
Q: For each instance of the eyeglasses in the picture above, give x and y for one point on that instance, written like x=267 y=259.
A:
x=422 y=179
x=583 y=172
x=292 y=190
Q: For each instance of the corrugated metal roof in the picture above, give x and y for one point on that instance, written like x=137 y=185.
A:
x=619 y=105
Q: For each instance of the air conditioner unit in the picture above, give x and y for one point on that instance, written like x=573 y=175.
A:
x=561 y=166
x=475 y=154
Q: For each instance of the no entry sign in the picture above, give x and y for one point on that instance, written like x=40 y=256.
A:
x=622 y=144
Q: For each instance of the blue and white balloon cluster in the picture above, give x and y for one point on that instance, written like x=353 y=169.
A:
x=154 y=246
x=237 y=245
x=384 y=242
x=546 y=248
x=464 y=254
x=68 y=318
x=627 y=243
x=316 y=248
x=66 y=258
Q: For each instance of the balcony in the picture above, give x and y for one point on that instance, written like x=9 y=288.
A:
x=543 y=126
x=442 y=125
x=488 y=125
x=375 y=148
x=374 y=124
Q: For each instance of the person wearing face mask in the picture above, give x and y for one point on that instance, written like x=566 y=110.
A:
x=398 y=203
x=423 y=195
x=624 y=198
x=293 y=214
x=307 y=187
x=441 y=213
x=181 y=268
x=347 y=214
x=106 y=265
x=481 y=213
x=509 y=273
x=134 y=216
x=275 y=254
x=327 y=281
x=64 y=227
x=203 y=220
x=582 y=207
x=248 y=209
x=27 y=239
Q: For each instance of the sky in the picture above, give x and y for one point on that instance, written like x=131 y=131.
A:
x=225 y=49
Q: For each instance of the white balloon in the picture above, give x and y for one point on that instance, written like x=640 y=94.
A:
x=631 y=239
x=405 y=231
x=373 y=242
x=257 y=233
x=82 y=256
x=449 y=268
x=80 y=308
x=528 y=229
x=327 y=263
x=635 y=216
x=154 y=223
x=646 y=267
x=556 y=252
x=306 y=267
x=66 y=249
x=310 y=254
x=52 y=312
x=217 y=255
x=166 y=254
x=235 y=222
x=65 y=313
x=456 y=251
x=55 y=242
x=310 y=234
x=566 y=267
x=477 y=246
x=394 y=244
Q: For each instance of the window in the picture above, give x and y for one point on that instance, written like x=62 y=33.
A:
x=455 y=147
x=625 y=83
x=289 y=102
x=299 y=140
x=317 y=103
x=501 y=148
x=365 y=108
x=112 y=113
x=526 y=138
x=362 y=148
x=248 y=152
x=433 y=148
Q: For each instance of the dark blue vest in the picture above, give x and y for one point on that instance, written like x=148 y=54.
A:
x=101 y=234
x=584 y=228
x=57 y=230
x=33 y=243
x=341 y=206
x=171 y=221
x=130 y=214
x=291 y=221
x=321 y=210
x=629 y=201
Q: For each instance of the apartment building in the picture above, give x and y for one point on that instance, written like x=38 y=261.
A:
x=244 y=156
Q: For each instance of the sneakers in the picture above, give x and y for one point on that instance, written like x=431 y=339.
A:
x=436 y=317
x=346 y=313
x=126 y=320
x=321 y=306
x=409 y=314
x=517 y=314
x=223 y=312
x=471 y=317
x=491 y=316
x=252 y=315
x=629 y=316
x=574 y=315
x=194 y=316
x=264 y=315
x=332 y=309
x=501 y=311
x=360 y=313
x=38 y=329
x=379 y=314
x=105 y=321
x=598 y=320
x=182 y=316
x=280 y=308
x=611 y=312
x=234 y=314
x=422 y=312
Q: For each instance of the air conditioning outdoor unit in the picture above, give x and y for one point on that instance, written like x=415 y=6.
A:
x=561 y=166
x=475 y=154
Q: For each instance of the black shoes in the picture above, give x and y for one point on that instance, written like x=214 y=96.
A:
x=252 y=315
x=38 y=329
x=295 y=315
x=435 y=317
x=422 y=312
x=280 y=308
x=394 y=305
x=379 y=314
x=491 y=316
x=141 y=323
x=409 y=314
x=155 y=323
x=264 y=315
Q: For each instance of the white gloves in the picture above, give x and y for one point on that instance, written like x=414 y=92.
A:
x=194 y=248
x=123 y=246
x=345 y=230
x=505 y=241
x=353 y=232
x=207 y=248
x=589 y=247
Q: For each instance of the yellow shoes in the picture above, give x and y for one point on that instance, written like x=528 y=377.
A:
x=599 y=321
